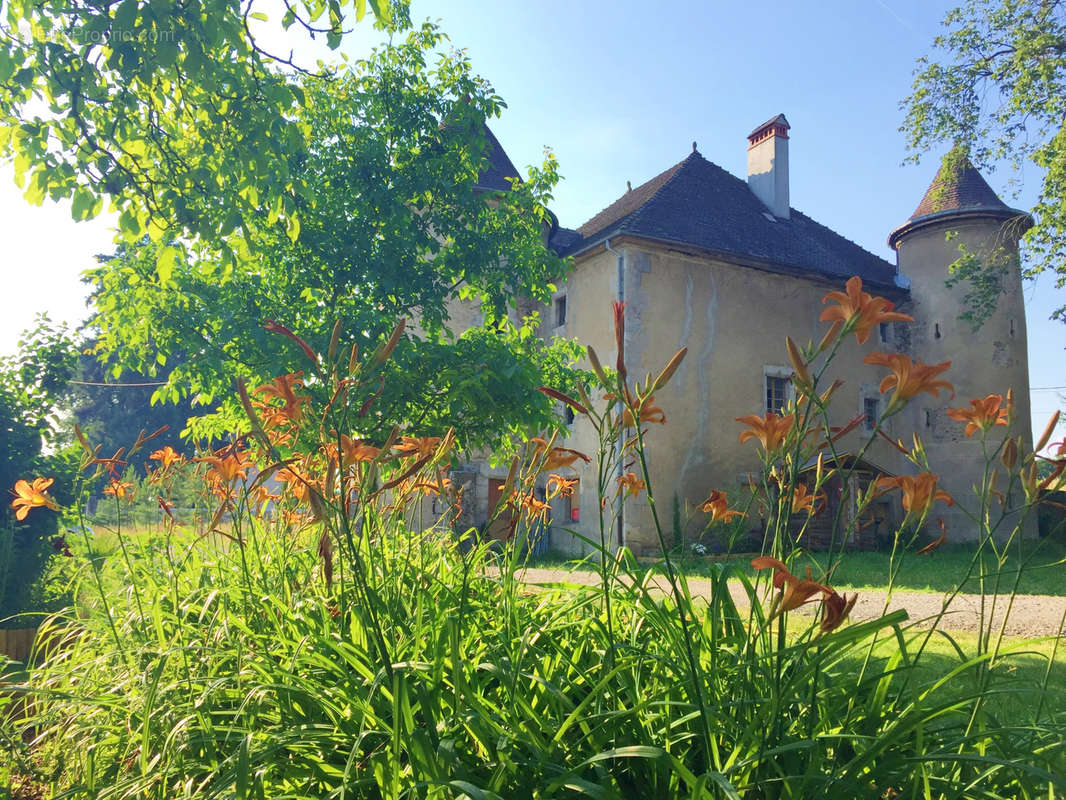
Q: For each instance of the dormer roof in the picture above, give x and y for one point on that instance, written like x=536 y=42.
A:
x=697 y=205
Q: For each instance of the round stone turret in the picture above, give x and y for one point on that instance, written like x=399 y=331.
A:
x=961 y=221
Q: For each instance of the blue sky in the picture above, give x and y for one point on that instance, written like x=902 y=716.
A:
x=620 y=91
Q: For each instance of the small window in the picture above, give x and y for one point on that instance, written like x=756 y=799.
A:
x=885 y=331
x=936 y=330
x=871 y=411
x=776 y=394
x=568 y=415
x=1012 y=327
x=560 y=311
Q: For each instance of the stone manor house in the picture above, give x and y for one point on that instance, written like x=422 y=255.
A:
x=727 y=268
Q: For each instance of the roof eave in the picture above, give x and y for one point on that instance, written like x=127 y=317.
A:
x=598 y=245
x=959 y=215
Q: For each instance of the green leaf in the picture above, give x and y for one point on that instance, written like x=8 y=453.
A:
x=164 y=265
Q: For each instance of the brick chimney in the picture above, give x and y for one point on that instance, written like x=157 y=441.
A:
x=768 y=165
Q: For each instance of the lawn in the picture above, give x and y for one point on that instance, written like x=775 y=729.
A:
x=1042 y=566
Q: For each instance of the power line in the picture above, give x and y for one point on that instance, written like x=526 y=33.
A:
x=91 y=383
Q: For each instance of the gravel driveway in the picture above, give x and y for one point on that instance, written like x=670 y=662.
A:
x=1030 y=615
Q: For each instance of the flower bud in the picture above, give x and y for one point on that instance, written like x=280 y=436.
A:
x=1009 y=457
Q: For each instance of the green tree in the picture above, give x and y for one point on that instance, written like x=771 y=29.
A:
x=996 y=85
x=172 y=111
x=397 y=228
x=32 y=386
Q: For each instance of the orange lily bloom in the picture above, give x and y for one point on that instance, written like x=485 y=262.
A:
x=32 y=495
x=794 y=591
x=421 y=447
x=167 y=456
x=910 y=378
x=919 y=492
x=859 y=311
x=717 y=505
x=647 y=411
x=120 y=489
x=298 y=484
x=355 y=450
x=533 y=507
x=283 y=388
x=771 y=430
x=558 y=486
x=835 y=609
x=802 y=500
x=982 y=415
x=557 y=457
x=227 y=464
x=630 y=484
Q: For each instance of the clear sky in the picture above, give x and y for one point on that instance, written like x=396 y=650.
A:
x=619 y=91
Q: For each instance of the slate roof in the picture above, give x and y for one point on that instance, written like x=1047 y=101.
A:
x=499 y=169
x=698 y=204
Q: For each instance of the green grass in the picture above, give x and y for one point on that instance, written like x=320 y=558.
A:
x=1043 y=569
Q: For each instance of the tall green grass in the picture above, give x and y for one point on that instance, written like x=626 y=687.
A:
x=322 y=645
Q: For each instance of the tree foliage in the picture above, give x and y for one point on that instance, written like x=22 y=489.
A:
x=32 y=384
x=397 y=228
x=996 y=85
x=172 y=111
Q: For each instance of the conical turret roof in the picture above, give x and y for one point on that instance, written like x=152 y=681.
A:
x=958 y=186
x=958 y=189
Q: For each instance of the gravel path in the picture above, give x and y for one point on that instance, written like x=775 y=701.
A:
x=1030 y=615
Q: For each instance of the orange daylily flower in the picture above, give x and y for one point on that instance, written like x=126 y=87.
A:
x=558 y=486
x=533 y=507
x=802 y=500
x=794 y=591
x=32 y=495
x=717 y=505
x=167 y=456
x=414 y=446
x=283 y=388
x=120 y=489
x=297 y=483
x=630 y=484
x=982 y=415
x=437 y=487
x=227 y=464
x=557 y=457
x=647 y=412
x=859 y=311
x=919 y=492
x=355 y=450
x=771 y=430
x=835 y=609
x=910 y=378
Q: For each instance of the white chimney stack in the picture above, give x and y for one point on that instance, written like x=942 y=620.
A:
x=768 y=165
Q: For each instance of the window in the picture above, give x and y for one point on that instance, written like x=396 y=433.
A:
x=885 y=332
x=560 y=311
x=777 y=387
x=568 y=415
x=871 y=410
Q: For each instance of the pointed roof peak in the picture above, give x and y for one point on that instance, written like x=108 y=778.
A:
x=958 y=186
x=958 y=189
